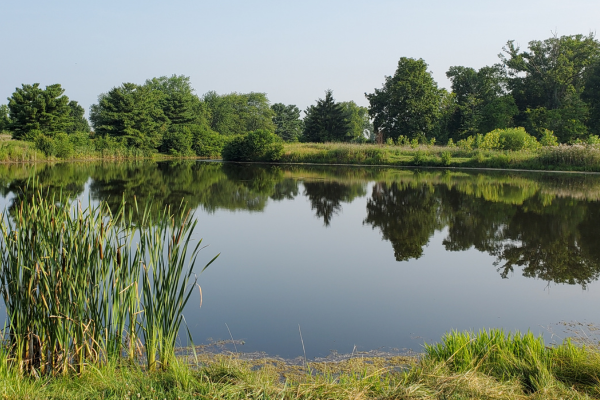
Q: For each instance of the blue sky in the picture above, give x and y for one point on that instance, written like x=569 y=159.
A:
x=291 y=50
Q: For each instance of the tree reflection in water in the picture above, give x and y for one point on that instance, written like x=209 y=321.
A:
x=547 y=225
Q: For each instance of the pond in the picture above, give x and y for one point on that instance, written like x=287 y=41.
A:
x=364 y=258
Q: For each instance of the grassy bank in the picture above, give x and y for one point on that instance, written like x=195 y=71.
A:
x=23 y=151
x=556 y=158
x=488 y=365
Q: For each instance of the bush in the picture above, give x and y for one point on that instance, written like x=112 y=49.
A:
x=516 y=139
x=491 y=141
x=208 y=143
x=259 y=145
x=45 y=144
x=177 y=141
x=446 y=158
x=548 y=139
x=63 y=146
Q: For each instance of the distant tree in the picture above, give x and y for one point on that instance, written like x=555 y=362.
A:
x=238 y=114
x=4 y=121
x=78 y=121
x=133 y=113
x=408 y=104
x=288 y=124
x=547 y=82
x=591 y=96
x=358 y=120
x=32 y=109
x=326 y=121
x=177 y=99
x=482 y=101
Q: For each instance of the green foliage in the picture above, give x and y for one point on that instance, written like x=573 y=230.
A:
x=84 y=263
x=33 y=109
x=326 y=121
x=177 y=141
x=548 y=81
x=408 y=103
x=260 y=145
x=238 y=114
x=516 y=139
x=446 y=158
x=482 y=103
x=131 y=112
x=288 y=125
x=79 y=123
x=4 y=121
x=207 y=143
x=547 y=138
x=358 y=120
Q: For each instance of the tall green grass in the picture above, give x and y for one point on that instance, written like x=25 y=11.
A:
x=521 y=357
x=83 y=286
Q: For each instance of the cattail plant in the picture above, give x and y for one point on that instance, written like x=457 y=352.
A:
x=79 y=290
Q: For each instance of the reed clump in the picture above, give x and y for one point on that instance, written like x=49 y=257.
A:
x=83 y=286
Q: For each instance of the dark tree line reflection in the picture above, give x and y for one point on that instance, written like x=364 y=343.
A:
x=546 y=226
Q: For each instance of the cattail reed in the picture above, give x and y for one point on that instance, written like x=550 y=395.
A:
x=75 y=290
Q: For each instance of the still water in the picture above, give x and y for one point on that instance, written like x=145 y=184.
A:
x=364 y=258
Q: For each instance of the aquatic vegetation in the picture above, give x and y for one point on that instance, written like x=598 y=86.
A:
x=79 y=290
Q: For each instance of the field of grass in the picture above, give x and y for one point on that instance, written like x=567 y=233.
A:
x=563 y=158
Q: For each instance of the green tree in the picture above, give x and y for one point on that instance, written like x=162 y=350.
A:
x=238 y=114
x=78 y=122
x=133 y=113
x=4 y=121
x=482 y=103
x=409 y=102
x=288 y=124
x=591 y=96
x=547 y=82
x=358 y=120
x=326 y=121
x=32 y=109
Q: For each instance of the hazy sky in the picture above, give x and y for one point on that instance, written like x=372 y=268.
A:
x=292 y=50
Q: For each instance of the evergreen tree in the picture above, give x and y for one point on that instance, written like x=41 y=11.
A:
x=288 y=124
x=326 y=121
x=33 y=109
x=78 y=121
x=131 y=112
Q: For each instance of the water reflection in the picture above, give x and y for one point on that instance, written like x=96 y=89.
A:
x=544 y=225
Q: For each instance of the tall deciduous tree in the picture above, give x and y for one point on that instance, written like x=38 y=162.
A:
x=482 y=102
x=547 y=82
x=288 y=124
x=34 y=109
x=408 y=103
x=131 y=112
x=326 y=121
x=358 y=120
x=239 y=113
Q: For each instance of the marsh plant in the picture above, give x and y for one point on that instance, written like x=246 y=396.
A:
x=84 y=286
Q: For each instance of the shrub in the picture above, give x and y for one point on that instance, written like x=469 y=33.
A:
x=177 y=141
x=208 y=143
x=515 y=139
x=45 y=144
x=446 y=157
x=259 y=145
x=491 y=140
x=466 y=144
x=419 y=158
x=548 y=139
x=63 y=146
x=389 y=141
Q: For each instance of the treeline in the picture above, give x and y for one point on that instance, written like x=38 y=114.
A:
x=551 y=91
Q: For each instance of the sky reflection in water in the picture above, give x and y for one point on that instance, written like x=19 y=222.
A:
x=372 y=257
